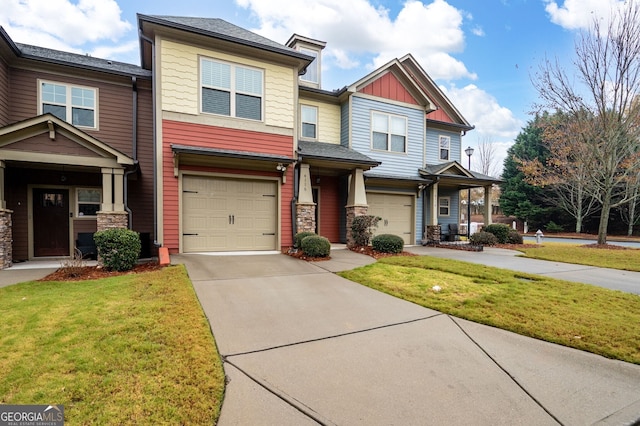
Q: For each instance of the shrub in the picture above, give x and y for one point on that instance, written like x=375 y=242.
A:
x=362 y=229
x=554 y=227
x=500 y=230
x=483 y=238
x=118 y=248
x=316 y=246
x=297 y=239
x=387 y=243
x=514 y=237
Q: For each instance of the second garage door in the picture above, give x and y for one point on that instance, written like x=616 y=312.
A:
x=396 y=211
x=220 y=214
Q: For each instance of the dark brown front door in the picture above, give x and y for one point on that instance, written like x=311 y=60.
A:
x=50 y=222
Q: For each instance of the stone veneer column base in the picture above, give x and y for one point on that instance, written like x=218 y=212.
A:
x=6 y=239
x=112 y=220
x=433 y=234
x=353 y=211
x=306 y=217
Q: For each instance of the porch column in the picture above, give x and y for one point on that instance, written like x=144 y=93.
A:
x=107 y=190
x=432 y=235
x=118 y=190
x=488 y=210
x=3 y=200
x=112 y=214
x=305 y=207
x=356 y=201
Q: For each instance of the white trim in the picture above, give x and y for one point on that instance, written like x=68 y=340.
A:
x=440 y=137
x=317 y=113
x=69 y=103
x=389 y=132
x=448 y=206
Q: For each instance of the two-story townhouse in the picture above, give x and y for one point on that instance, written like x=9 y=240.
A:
x=75 y=150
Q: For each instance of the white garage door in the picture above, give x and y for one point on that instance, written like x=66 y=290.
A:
x=396 y=212
x=221 y=214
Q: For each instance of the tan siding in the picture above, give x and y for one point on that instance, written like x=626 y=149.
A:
x=328 y=121
x=4 y=93
x=180 y=82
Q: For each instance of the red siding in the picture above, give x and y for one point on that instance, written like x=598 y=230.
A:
x=440 y=115
x=389 y=87
x=329 y=208
x=221 y=138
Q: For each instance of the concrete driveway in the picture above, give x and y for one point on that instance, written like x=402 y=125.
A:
x=304 y=346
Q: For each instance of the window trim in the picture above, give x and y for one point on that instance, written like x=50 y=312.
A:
x=315 y=63
x=441 y=206
x=440 y=138
x=78 y=202
x=302 y=122
x=390 y=133
x=69 y=101
x=232 y=89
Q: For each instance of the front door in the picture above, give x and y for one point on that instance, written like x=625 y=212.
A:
x=50 y=222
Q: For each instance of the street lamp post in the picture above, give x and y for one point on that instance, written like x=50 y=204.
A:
x=469 y=152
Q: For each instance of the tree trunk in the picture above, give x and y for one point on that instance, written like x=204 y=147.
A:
x=632 y=216
x=604 y=220
x=578 y=224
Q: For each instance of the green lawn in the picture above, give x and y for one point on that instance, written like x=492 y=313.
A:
x=581 y=316
x=132 y=349
x=628 y=259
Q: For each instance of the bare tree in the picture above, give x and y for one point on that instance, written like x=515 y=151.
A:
x=487 y=156
x=602 y=103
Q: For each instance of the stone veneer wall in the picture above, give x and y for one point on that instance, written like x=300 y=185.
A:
x=353 y=211
x=306 y=217
x=433 y=234
x=6 y=239
x=109 y=220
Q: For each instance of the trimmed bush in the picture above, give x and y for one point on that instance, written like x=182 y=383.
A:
x=500 y=230
x=362 y=229
x=297 y=239
x=316 y=246
x=554 y=227
x=514 y=237
x=387 y=243
x=118 y=249
x=483 y=238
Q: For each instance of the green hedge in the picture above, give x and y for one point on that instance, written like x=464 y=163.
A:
x=387 y=243
x=118 y=249
x=483 y=238
x=500 y=230
x=362 y=229
x=316 y=246
x=297 y=239
x=514 y=237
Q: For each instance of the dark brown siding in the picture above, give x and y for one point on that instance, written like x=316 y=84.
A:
x=43 y=143
x=4 y=94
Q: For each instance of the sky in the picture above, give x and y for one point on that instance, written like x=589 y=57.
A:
x=483 y=54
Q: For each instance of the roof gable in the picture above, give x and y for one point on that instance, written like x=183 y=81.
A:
x=389 y=86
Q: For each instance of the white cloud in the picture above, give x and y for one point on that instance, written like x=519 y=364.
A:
x=62 y=24
x=478 y=31
x=357 y=32
x=579 y=14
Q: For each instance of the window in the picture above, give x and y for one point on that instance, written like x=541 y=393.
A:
x=73 y=104
x=389 y=132
x=312 y=73
x=443 y=206
x=309 y=119
x=231 y=90
x=88 y=200
x=445 y=147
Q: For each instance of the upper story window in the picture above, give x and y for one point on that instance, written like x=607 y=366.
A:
x=312 y=74
x=232 y=90
x=445 y=147
x=389 y=132
x=73 y=104
x=309 y=121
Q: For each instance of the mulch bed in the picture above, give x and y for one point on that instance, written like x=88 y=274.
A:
x=84 y=273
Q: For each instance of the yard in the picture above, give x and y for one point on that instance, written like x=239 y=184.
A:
x=121 y=350
x=616 y=257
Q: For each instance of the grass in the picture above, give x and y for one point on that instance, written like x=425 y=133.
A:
x=628 y=259
x=122 y=350
x=581 y=316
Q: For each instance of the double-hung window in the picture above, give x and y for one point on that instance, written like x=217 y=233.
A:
x=88 y=200
x=444 y=204
x=73 y=104
x=312 y=73
x=309 y=121
x=231 y=90
x=389 y=132
x=445 y=147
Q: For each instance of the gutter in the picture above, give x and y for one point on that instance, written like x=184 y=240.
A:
x=134 y=149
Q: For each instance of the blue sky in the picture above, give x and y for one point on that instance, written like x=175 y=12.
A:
x=481 y=53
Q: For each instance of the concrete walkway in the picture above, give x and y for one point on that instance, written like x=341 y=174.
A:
x=304 y=346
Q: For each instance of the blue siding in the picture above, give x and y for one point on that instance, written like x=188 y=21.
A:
x=344 y=125
x=398 y=164
x=433 y=146
x=454 y=207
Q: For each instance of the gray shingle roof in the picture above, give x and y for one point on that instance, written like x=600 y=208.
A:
x=435 y=169
x=417 y=179
x=80 y=61
x=187 y=149
x=329 y=151
x=218 y=28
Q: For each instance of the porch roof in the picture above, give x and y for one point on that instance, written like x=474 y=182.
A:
x=454 y=173
x=334 y=155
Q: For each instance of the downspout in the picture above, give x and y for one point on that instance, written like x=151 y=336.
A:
x=153 y=105
x=134 y=149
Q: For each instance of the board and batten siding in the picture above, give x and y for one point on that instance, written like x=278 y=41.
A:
x=180 y=82
x=397 y=164
x=328 y=120
x=433 y=146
